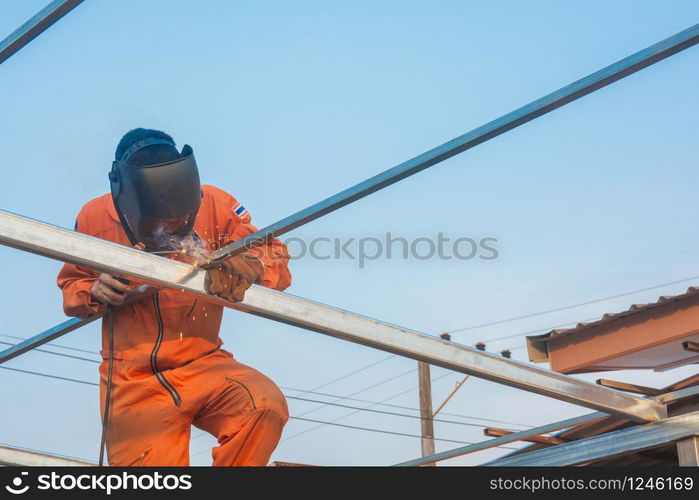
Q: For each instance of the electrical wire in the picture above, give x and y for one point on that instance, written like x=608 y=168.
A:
x=384 y=412
x=39 y=349
x=468 y=424
x=347 y=375
x=108 y=395
x=368 y=429
x=376 y=403
x=293 y=418
x=357 y=411
x=546 y=328
x=57 y=377
x=301 y=391
x=321 y=422
x=389 y=432
x=385 y=381
x=52 y=344
x=572 y=306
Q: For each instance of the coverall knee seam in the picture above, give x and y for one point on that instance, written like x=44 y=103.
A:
x=261 y=410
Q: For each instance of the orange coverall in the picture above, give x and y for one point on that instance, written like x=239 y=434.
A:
x=169 y=369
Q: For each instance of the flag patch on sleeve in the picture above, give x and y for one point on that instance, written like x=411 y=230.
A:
x=240 y=211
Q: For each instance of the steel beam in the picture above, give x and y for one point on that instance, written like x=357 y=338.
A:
x=688 y=345
x=626 y=387
x=78 y=248
x=539 y=438
x=667 y=398
x=678 y=395
x=608 y=445
x=44 y=337
x=14 y=457
x=688 y=451
x=510 y=438
x=560 y=97
x=36 y=25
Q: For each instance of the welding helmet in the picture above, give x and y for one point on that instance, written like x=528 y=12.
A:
x=157 y=203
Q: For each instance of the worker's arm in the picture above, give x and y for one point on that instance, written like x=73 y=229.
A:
x=76 y=281
x=273 y=254
x=86 y=291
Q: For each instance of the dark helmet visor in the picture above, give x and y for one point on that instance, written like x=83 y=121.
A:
x=156 y=200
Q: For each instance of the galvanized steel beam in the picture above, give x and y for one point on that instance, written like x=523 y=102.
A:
x=16 y=457
x=510 y=438
x=36 y=25
x=609 y=444
x=560 y=97
x=688 y=451
x=667 y=398
x=78 y=248
x=44 y=337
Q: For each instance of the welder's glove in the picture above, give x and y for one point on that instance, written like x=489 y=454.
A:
x=233 y=276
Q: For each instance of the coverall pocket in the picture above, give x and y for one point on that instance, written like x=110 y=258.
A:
x=138 y=460
x=231 y=380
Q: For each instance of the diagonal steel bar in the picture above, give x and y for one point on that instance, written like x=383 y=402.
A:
x=510 y=438
x=608 y=445
x=565 y=95
x=70 y=246
x=44 y=337
x=669 y=397
x=57 y=331
x=597 y=80
x=35 y=26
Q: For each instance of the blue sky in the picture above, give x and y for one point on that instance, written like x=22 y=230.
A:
x=287 y=103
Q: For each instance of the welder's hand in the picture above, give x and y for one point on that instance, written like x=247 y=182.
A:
x=109 y=290
x=233 y=276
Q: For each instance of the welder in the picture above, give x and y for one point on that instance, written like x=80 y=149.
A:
x=164 y=369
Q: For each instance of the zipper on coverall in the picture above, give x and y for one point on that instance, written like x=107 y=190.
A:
x=154 y=355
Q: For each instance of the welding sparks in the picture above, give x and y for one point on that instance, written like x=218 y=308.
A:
x=190 y=244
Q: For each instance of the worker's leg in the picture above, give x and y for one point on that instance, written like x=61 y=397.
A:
x=242 y=408
x=145 y=427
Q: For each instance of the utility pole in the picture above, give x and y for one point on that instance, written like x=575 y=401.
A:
x=426 y=423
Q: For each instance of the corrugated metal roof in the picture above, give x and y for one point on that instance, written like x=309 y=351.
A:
x=633 y=309
x=662 y=455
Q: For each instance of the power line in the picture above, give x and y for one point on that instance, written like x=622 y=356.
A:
x=357 y=411
x=39 y=349
x=376 y=403
x=538 y=330
x=359 y=428
x=302 y=391
x=322 y=422
x=85 y=382
x=579 y=304
x=375 y=430
x=383 y=412
x=364 y=389
x=295 y=418
x=53 y=345
x=77 y=381
x=349 y=374
x=389 y=432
